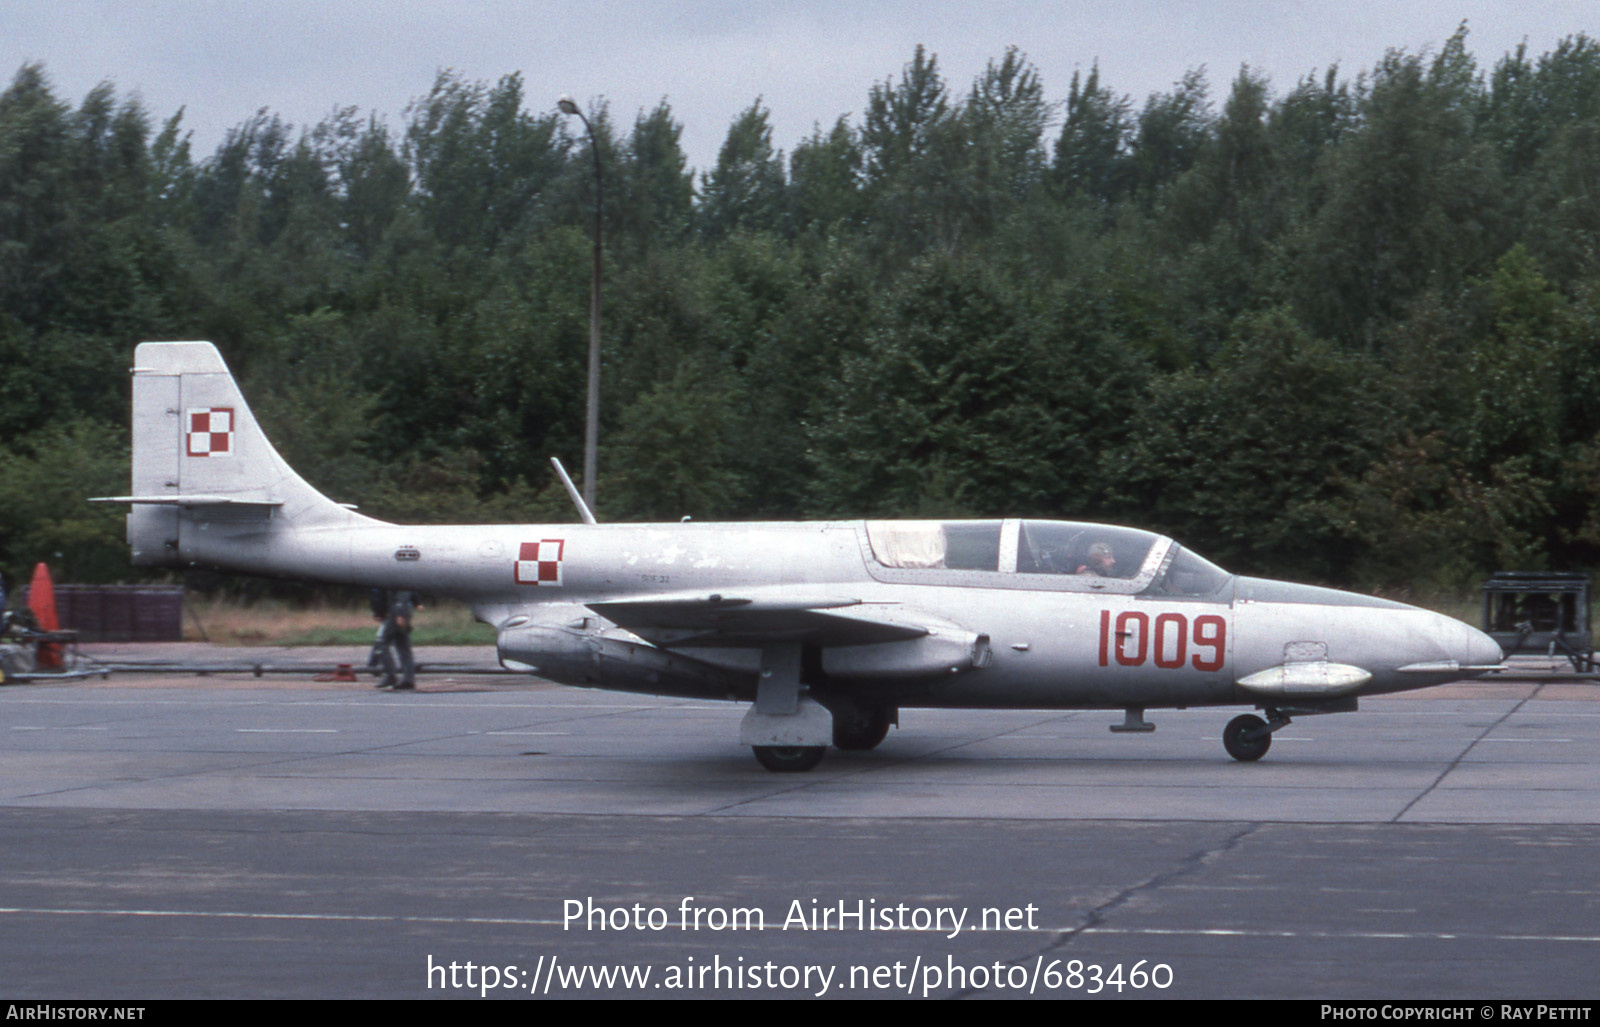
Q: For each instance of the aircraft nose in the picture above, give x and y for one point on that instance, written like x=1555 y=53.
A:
x=1482 y=651
x=1468 y=646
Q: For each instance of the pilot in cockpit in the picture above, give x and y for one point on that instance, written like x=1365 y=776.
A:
x=1100 y=562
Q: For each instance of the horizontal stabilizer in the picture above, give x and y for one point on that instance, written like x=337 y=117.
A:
x=1306 y=679
x=186 y=501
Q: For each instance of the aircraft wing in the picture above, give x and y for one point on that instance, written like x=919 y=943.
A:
x=754 y=620
x=859 y=639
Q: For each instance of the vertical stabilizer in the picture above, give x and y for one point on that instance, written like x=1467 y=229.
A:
x=200 y=457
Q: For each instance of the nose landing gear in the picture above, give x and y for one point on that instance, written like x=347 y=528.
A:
x=1247 y=737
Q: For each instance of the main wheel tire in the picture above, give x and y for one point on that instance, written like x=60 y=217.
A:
x=789 y=759
x=859 y=734
x=1241 y=747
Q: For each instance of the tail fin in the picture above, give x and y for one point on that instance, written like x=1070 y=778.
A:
x=199 y=456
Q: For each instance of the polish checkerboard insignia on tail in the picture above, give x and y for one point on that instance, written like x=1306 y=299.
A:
x=209 y=431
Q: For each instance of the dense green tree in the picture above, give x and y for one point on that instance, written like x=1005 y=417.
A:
x=948 y=409
x=812 y=314
x=372 y=184
x=45 y=483
x=84 y=265
x=745 y=189
x=1241 y=460
x=1545 y=118
x=1413 y=198
x=902 y=118
x=483 y=165
x=672 y=455
x=1170 y=133
x=825 y=180
x=910 y=142
x=1008 y=113
x=656 y=193
x=1349 y=333
x=1304 y=126
x=1091 y=155
x=996 y=159
x=1218 y=220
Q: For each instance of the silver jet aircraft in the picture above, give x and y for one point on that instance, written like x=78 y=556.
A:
x=828 y=628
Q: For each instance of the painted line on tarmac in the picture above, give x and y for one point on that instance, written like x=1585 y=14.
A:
x=1198 y=932
x=1230 y=932
x=286 y=730
x=397 y=918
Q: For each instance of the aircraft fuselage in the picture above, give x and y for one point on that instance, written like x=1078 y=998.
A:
x=1052 y=641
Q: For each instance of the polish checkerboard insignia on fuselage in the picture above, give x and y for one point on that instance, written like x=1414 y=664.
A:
x=539 y=563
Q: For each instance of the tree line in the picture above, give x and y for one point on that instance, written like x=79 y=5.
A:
x=1343 y=330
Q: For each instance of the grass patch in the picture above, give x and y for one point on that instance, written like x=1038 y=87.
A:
x=274 y=622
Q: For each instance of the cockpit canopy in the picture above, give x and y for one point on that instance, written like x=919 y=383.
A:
x=1050 y=554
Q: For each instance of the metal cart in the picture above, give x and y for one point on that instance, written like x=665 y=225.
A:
x=1540 y=613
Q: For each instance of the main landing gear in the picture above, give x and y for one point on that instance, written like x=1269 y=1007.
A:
x=788 y=730
x=854 y=730
x=858 y=730
x=789 y=759
x=1247 y=737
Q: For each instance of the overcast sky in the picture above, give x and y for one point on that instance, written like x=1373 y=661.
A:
x=809 y=60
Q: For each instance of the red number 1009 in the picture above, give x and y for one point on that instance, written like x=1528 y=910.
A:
x=1168 y=642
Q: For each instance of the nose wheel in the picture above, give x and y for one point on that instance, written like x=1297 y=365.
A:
x=1247 y=738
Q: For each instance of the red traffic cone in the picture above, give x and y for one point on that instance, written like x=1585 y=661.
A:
x=42 y=601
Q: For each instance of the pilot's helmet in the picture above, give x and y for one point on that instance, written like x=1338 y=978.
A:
x=1099 y=549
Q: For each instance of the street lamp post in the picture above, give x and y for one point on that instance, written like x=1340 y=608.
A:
x=591 y=433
